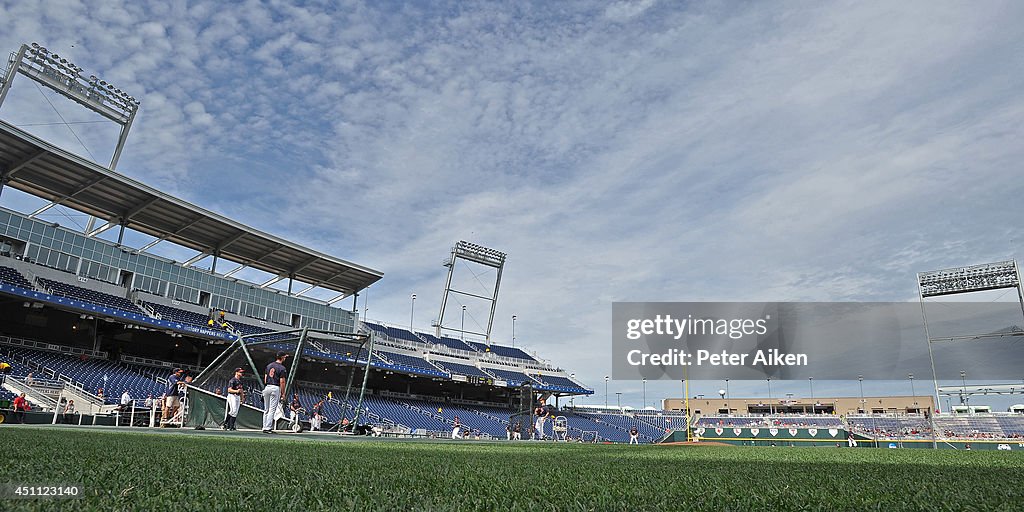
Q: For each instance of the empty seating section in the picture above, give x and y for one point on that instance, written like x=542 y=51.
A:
x=625 y=423
x=514 y=353
x=394 y=332
x=462 y=369
x=1013 y=426
x=969 y=427
x=890 y=426
x=513 y=378
x=468 y=418
x=179 y=315
x=411 y=363
x=447 y=342
x=93 y=374
x=87 y=295
x=14 y=278
x=557 y=381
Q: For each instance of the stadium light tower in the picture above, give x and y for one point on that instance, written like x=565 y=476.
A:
x=605 y=391
x=645 y=394
x=960 y=280
x=480 y=256
x=618 y=400
x=810 y=382
x=65 y=78
x=912 y=392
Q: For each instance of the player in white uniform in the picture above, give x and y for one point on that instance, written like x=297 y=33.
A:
x=457 y=429
x=234 y=400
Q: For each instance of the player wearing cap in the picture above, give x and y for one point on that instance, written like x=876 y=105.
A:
x=234 y=399
x=634 y=435
x=456 y=429
x=318 y=416
x=172 y=400
x=273 y=391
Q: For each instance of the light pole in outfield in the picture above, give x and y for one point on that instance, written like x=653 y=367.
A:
x=412 y=311
x=513 y=331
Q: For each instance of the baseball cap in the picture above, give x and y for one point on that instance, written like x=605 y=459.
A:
x=240 y=369
x=177 y=370
x=282 y=354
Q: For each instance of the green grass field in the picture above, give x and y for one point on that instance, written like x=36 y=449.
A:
x=164 y=471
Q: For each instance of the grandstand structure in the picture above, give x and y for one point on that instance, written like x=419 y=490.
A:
x=89 y=318
x=74 y=299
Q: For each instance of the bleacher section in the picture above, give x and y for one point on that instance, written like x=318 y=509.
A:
x=86 y=295
x=393 y=332
x=445 y=341
x=779 y=420
x=558 y=383
x=461 y=369
x=411 y=364
x=499 y=350
x=514 y=378
x=178 y=315
x=12 y=277
x=91 y=374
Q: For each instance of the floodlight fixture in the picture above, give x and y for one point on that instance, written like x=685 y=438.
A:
x=64 y=77
x=975 y=278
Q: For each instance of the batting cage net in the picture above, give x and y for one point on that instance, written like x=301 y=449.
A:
x=209 y=401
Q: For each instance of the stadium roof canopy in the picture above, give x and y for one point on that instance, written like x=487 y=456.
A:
x=32 y=165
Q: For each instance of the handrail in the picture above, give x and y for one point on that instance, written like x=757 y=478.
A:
x=50 y=347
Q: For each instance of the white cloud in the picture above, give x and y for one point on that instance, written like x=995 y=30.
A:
x=638 y=150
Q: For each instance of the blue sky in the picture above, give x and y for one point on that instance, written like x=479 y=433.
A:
x=638 y=151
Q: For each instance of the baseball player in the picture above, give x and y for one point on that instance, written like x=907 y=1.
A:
x=273 y=391
x=234 y=399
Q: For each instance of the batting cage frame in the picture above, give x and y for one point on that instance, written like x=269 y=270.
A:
x=202 y=404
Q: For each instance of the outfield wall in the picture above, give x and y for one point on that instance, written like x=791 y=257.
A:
x=825 y=437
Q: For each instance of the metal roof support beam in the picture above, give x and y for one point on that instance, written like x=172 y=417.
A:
x=101 y=229
x=236 y=269
x=306 y=289
x=85 y=186
x=195 y=258
x=230 y=240
x=269 y=254
x=272 y=281
x=148 y=246
x=17 y=166
x=336 y=299
x=138 y=209
x=302 y=266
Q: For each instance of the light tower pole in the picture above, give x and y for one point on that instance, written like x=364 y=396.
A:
x=412 y=311
x=513 y=331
